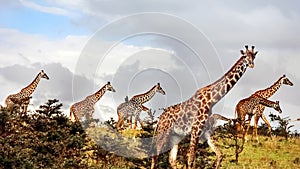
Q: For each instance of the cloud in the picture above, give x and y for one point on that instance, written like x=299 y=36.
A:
x=271 y=26
x=46 y=9
x=59 y=86
x=23 y=48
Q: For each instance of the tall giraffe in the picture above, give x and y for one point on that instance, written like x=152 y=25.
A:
x=189 y=116
x=247 y=107
x=266 y=93
x=25 y=93
x=134 y=106
x=85 y=108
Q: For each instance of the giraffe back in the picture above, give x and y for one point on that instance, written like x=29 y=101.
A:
x=127 y=109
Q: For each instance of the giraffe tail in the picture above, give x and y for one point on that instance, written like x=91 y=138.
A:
x=235 y=114
x=72 y=116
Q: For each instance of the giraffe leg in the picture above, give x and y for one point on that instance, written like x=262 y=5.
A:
x=268 y=124
x=173 y=156
x=153 y=161
x=211 y=143
x=140 y=121
x=239 y=128
x=161 y=141
x=119 y=123
x=135 y=123
x=193 y=143
x=24 y=108
x=254 y=133
x=130 y=122
x=247 y=127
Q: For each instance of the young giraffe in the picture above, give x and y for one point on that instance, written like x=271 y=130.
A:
x=266 y=93
x=189 y=116
x=25 y=93
x=85 y=108
x=247 y=107
x=134 y=106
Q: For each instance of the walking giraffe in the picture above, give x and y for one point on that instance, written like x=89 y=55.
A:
x=85 y=108
x=134 y=106
x=247 y=107
x=22 y=98
x=266 y=93
x=208 y=132
x=189 y=116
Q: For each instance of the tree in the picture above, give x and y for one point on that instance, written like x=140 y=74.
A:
x=284 y=125
x=45 y=139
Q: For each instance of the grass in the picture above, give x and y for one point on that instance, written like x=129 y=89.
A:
x=275 y=153
x=265 y=154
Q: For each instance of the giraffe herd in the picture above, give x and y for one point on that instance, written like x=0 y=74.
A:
x=192 y=117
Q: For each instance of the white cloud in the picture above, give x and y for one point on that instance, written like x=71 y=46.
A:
x=46 y=9
x=271 y=26
x=22 y=48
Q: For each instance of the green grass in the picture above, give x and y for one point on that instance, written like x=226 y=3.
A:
x=275 y=153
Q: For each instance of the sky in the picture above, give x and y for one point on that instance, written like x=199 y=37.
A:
x=136 y=44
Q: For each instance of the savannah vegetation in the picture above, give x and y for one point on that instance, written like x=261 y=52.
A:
x=48 y=139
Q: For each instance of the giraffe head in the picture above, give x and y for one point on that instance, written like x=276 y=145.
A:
x=44 y=75
x=277 y=107
x=249 y=56
x=159 y=89
x=286 y=81
x=109 y=87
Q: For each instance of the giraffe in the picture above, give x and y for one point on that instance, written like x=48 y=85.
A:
x=25 y=93
x=125 y=111
x=208 y=132
x=247 y=107
x=266 y=93
x=134 y=106
x=21 y=103
x=189 y=116
x=85 y=108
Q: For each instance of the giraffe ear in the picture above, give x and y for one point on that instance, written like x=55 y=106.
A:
x=242 y=52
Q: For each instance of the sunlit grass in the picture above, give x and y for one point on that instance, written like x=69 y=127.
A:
x=275 y=153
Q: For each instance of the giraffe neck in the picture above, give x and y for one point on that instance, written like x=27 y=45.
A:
x=28 y=90
x=266 y=102
x=96 y=96
x=222 y=86
x=268 y=92
x=143 y=98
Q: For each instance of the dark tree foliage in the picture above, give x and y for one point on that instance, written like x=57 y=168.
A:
x=45 y=139
x=284 y=126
